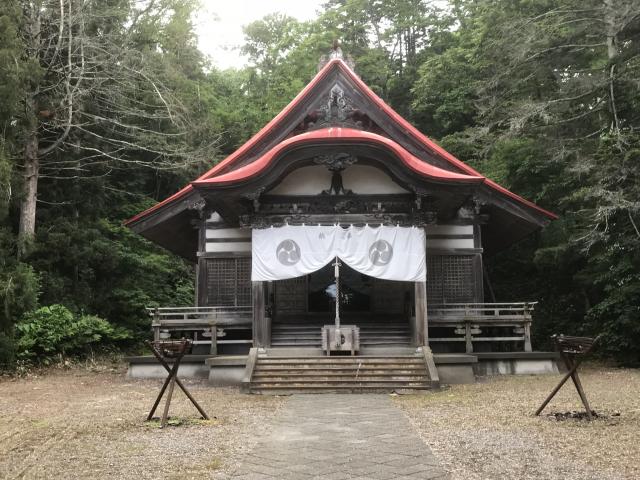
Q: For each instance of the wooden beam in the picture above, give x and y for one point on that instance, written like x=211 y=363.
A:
x=264 y=221
x=201 y=273
x=201 y=283
x=260 y=327
x=421 y=328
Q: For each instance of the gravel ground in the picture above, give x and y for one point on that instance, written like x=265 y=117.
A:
x=488 y=431
x=78 y=424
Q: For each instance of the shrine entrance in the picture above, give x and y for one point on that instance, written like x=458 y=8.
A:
x=363 y=297
x=381 y=309
x=355 y=291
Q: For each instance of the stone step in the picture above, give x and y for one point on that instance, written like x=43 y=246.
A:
x=333 y=369
x=311 y=344
x=350 y=389
x=294 y=374
x=308 y=336
x=317 y=343
x=365 y=336
x=340 y=360
x=371 y=326
x=349 y=382
x=339 y=374
x=366 y=326
x=339 y=365
x=319 y=327
x=338 y=378
x=318 y=334
x=313 y=331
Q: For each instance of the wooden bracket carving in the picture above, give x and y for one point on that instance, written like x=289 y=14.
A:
x=336 y=162
x=255 y=197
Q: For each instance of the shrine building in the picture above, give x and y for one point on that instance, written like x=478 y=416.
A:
x=340 y=249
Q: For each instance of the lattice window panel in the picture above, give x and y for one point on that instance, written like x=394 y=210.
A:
x=243 y=281
x=451 y=279
x=435 y=292
x=228 y=281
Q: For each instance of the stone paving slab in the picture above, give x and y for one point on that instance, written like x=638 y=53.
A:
x=334 y=436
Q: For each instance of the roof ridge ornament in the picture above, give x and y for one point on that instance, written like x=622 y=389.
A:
x=336 y=53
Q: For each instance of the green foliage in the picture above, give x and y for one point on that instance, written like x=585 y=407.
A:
x=14 y=71
x=7 y=351
x=55 y=331
x=444 y=94
x=107 y=269
x=526 y=92
x=6 y=168
x=19 y=285
x=149 y=99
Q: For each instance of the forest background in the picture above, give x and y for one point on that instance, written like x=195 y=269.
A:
x=107 y=106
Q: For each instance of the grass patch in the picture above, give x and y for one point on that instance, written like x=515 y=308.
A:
x=215 y=464
x=40 y=423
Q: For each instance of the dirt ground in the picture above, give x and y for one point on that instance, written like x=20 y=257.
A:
x=82 y=424
x=488 y=431
x=79 y=424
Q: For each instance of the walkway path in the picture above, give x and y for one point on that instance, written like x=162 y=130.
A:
x=340 y=436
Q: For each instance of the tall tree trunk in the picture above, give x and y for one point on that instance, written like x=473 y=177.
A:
x=28 y=203
x=612 y=54
x=31 y=170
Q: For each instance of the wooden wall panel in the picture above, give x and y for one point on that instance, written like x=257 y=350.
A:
x=388 y=296
x=291 y=296
x=227 y=281
x=453 y=278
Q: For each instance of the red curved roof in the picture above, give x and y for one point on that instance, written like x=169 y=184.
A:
x=428 y=144
x=343 y=135
x=431 y=145
x=244 y=148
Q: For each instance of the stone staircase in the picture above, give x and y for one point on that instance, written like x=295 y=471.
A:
x=372 y=334
x=359 y=374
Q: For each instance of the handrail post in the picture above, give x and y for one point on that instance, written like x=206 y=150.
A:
x=527 y=327
x=527 y=336
x=156 y=324
x=214 y=339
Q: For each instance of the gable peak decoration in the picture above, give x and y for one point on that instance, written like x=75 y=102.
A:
x=336 y=53
x=338 y=106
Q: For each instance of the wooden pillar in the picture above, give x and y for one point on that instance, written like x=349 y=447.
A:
x=201 y=282
x=421 y=328
x=201 y=273
x=527 y=337
x=261 y=334
x=468 y=338
x=214 y=339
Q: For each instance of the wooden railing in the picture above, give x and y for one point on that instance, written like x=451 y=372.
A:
x=464 y=322
x=468 y=320
x=205 y=324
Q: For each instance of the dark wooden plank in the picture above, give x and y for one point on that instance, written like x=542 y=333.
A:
x=260 y=329
x=421 y=329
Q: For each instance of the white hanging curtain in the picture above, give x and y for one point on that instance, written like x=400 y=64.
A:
x=390 y=253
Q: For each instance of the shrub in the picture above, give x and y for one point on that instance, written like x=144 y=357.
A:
x=7 y=350
x=54 y=330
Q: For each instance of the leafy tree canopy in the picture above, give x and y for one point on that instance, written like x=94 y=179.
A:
x=114 y=108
